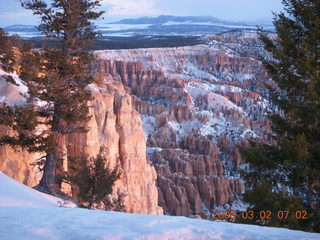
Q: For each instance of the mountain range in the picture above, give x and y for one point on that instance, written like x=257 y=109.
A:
x=162 y=25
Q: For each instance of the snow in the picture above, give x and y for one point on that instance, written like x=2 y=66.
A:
x=43 y=219
x=170 y=23
x=215 y=127
x=9 y=93
x=218 y=101
x=226 y=88
x=174 y=125
x=46 y=223
x=215 y=87
x=123 y=27
x=25 y=34
x=247 y=34
x=180 y=61
x=215 y=101
x=193 y=71
x=149 y=124
x=151 y=150
x=13 y=193
x=249 y=131
x=93 y=88
x=165 y=59
x=243 y=77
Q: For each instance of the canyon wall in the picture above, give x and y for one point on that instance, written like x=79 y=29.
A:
x=116 y=126
x=198 y=105
x=16 y=163
x=173 y=119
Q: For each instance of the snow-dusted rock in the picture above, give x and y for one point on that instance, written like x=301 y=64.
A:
x=198 y=104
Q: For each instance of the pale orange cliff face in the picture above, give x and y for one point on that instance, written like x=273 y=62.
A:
x=117 y=127
x=190 y=172
x=197 y=104
x=172 y=119
x=16 y=163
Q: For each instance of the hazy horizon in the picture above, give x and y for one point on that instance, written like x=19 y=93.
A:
x=12 y=13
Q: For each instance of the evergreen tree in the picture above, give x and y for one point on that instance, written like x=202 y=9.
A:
x=287 y=176
x=93 y=179
x=7 y=54
x=56 y=78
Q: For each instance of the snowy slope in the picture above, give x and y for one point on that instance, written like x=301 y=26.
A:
x=9 y=93
x=13 y=193
x=44 y=220
x=214 y=100
x=165 y=59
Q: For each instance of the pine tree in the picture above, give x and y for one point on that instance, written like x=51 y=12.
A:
x=56 y=78
x=7 y=56
x=287 y=176
x=93 y=178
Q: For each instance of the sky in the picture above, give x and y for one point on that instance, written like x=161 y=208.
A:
x=239 y=10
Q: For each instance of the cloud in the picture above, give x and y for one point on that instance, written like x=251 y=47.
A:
x=131 y=7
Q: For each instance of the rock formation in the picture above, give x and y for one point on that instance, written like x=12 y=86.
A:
x=197 y=105
x=117 y=127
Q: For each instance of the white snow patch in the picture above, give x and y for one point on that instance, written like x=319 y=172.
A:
x=149 y=124
x=218 y=101
x=46 y=221
x=170 y=23
x=25 y=34
x=150 y=150
x=166 y=59
x=215 y=101
x=242 y=77
x=123 y=27
x=215 y=127
x=224 y=88
x=249 y=131
x=92 y=88
x=13 y=193
x=10 y=93
x=66 y=223
x=174 y=125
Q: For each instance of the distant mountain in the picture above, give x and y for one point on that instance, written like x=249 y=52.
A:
x=21 y=28
x=177 y=25
x=164 y=25
x=24 y=31
x=168 y=18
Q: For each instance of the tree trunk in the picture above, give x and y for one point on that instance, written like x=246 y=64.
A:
x=53 y=168
x=90 y=204
x=51 y=180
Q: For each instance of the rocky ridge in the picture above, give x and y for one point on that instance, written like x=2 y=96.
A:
x=198 y=104
x=114 y=125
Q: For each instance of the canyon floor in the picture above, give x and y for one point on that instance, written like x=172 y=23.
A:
x=26 y=214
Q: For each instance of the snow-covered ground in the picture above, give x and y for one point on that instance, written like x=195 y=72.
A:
x=26 y=214
x=12 y=94
x=214 y=100
x=15 y=194
x=167 y=60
